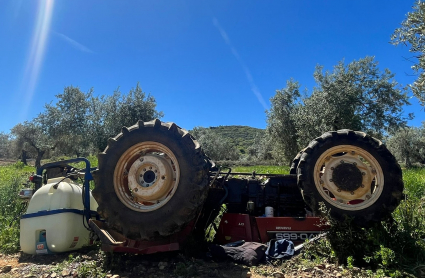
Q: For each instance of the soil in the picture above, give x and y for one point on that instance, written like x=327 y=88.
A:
x=91 y=262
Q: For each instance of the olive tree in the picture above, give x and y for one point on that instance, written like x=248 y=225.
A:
x=408 y=145
x=281 y=120
x=66 y=121
x=214 y=145
x=30 y=138
x=412 y=33
x=355 y=96
x=80 y=123
x=5 y=145
x=118 y=110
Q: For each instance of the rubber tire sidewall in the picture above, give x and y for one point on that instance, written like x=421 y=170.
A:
x=179 y=210
x=393 y=184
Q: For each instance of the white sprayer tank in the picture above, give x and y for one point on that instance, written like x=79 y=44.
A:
x=54 y=219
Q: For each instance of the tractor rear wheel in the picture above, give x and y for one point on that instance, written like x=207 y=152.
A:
x=152 y=180
x=353 y=174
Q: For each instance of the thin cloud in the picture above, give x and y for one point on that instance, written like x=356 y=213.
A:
x=235 y=53
x=74 y=43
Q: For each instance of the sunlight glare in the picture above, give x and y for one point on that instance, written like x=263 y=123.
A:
x=37 y=50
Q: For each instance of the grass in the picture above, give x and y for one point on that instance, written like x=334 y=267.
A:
x=11 y=179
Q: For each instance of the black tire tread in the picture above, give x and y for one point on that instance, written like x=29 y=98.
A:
x=163 y=221
x=393 y=187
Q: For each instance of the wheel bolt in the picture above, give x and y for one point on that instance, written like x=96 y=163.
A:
x=332 y=168
x=363 y=173
x=144 y=170
x=331 y=180
x=352 y=192
x=362 y=186
x=136 y=189
x=342 y=161
x=339 y=190
x=150 y=168
x=353 y=152
x=141 y=159
x=163 y=177
x=354 y=163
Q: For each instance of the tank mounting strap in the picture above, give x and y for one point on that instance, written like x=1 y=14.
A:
x=55 y=211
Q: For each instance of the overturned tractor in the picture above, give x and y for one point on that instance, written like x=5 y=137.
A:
x=155 y=186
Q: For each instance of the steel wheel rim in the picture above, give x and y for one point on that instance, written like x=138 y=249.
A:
x=146 y=176
x=354 y=196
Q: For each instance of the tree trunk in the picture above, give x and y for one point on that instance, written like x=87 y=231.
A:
x=24 y=157
x=408 y=162
x=38 y=159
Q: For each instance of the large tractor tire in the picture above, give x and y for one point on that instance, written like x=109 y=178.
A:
x=353 y=174
x=152 y=180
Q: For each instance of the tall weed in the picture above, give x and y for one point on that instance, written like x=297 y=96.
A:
x=11 y=208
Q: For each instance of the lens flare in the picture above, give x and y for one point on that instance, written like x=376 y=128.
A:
x=37 y=50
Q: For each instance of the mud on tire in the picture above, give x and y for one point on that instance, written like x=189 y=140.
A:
x=151 y=181
x=353 y=174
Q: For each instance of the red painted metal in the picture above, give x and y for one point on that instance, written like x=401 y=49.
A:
x=288 y=227
x=234 y=227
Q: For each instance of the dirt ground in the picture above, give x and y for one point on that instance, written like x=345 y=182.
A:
x=94 y=263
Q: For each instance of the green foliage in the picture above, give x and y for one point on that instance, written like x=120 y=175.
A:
x=90 y=269
x=411 y=33
x=214 y=145
x=356 y=96
x=5 y=145
x=414 y=182
x=393 y=248
x=11 y=208
x=79 y=123
x=227 y=142
x=408 y=145
x=262 y=169
x=281 y=121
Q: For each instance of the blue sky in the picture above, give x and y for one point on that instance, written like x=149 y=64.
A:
x=207 y=63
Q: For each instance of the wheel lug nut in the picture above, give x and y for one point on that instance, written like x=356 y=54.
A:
x=352 y=192
x=331 y=180
x=136 y=189
x=339 y=190
x=354 y=163
x=353 y=152
x=363 y=173
x=362 y=186
x=150 y=168
x=163 y=177
x=342 y=161
x=332 y=168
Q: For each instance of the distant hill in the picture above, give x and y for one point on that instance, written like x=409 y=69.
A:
x=242 y=137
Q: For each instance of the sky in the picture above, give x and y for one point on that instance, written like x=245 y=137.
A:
x=207 y=63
